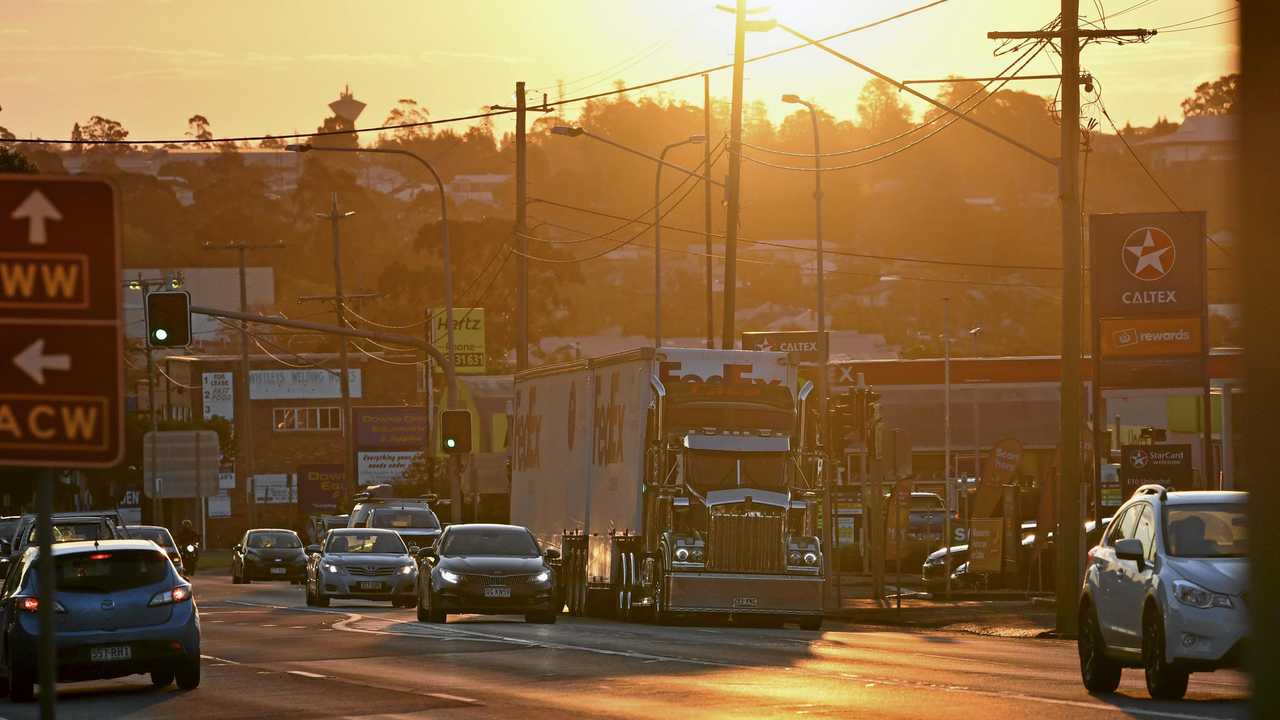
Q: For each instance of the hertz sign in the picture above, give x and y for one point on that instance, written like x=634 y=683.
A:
x=61 y=342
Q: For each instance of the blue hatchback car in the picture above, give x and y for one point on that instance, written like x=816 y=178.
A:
x=121 y=609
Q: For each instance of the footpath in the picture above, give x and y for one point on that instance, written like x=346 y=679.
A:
x=998 y=614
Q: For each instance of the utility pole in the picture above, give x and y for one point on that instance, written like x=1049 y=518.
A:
x=735 y=177
x=522 y=242
x=706 y=215
x=946 y=439
x=1069 y=530
x=244 y=418
x=334 y=216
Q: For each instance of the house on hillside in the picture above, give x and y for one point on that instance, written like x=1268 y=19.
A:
x=1210 y=137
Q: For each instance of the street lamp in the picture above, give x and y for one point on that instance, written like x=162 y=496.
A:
x=657 y=234
x=661 y=160
x=444 y=241
x=974 y=332
x=823 y=350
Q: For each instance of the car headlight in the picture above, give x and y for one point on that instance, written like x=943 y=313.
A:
x=544 y=576
x=408 y=569
x=330 y=567
x=810 y=558
x=1189 y=593
x=449 y=577
x=682 y=554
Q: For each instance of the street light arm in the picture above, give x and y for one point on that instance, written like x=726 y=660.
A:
x=652 y=158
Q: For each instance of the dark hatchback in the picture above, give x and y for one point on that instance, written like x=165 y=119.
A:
x=488 y=570
x=268 y=554
x=418 y=527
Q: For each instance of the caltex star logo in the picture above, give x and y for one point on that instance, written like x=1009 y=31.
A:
x=1139 y=460
x=764 y=345
x=1149 y=254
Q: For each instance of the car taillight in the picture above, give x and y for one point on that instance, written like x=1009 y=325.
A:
x=182 y=593
x=32 y=605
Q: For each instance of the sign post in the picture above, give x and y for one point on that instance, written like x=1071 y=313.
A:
x=61 y=344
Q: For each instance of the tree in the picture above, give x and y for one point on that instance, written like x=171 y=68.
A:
x=408 y=112
x=271 y=143
x=99 y=128
x=880 y=110
x=198 y=129
x=1215 y=98
x=12 y=161
x=335 y=132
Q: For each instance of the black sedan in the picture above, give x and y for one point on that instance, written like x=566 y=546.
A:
x=361 y=564
x=488 y=570
x=268 y=554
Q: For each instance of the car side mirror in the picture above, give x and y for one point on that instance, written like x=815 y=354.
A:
x=313 y=549
x=551 y=554
x=426 y=553
x=236 y=547
x=1131 y=549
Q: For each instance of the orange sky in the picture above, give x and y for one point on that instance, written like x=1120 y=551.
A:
x=272 y=66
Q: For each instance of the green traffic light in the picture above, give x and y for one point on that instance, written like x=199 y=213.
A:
x=451 y=443
x=161 y=334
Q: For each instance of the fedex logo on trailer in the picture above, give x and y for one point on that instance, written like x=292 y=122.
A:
x=722 y=366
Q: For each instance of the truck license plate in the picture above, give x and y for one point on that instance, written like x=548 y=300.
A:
x=370 y=585
x=111 y=653
x=746 y=603
x=279 y=571
x=497 y=591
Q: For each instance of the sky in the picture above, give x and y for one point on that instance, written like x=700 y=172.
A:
x=273 y=66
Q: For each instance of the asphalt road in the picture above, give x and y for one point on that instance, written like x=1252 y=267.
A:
x=268 y=656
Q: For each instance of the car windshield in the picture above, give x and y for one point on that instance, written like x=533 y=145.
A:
x=493 y=542
x=274 y=540
x=724 y=470
x=404 y=518
x=73 y=532
x=159 y=536
x=375 y=543
x=1206 y=531
x=109 y=570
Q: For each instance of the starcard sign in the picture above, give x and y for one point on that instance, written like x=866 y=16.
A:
x=1147 y=264
x=61 y=382
x=1167 y=465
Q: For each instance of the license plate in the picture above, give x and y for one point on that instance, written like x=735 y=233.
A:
x=370 y=585
x=279 y=571
x=497 y=591
x=110 y=654
x=746 y=602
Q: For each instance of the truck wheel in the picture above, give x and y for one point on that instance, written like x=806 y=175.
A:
x=811 y=622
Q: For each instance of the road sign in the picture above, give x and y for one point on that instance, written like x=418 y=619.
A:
x=180 y=463
x=802 y=344
x=61 y=340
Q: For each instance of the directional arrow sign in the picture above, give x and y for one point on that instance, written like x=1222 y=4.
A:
x=35 y=210
x=34 y=362
x=61 y=339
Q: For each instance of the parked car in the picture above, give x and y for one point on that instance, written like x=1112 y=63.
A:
x=487 y=569
x=1165 y=590
x=122 y=609
x=321 y=524
x=933 y=570
x=361 y=564
x=1034 y=567
x=268 y=554
x=418 y=527
x=160 y=536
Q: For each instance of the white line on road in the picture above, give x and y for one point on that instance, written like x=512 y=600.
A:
x=455 y=698
x=306 y=674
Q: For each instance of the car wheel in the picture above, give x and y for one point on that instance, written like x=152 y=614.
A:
x=162 y=677
x=811 y=622
x=1164 y=681
x=22 y=683
x=188 y=674
x=235 y=576
x=1099 y=673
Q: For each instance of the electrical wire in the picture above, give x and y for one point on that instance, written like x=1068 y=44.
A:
x=357 y=346
x=1034 y=51
x=1194 y=20
x=492 y=113
x=1201 y=27
x=171 y=379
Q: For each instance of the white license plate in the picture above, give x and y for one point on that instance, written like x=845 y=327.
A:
x=497 y=591
x=110 y=654
x=279 y=571
x=370 y=585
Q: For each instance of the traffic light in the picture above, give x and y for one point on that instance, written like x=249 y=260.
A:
x=455 y=432
x=168 y=319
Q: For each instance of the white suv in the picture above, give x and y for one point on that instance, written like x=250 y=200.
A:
x=1165 y=590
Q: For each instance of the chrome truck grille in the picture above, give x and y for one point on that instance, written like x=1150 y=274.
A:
x=746 y=543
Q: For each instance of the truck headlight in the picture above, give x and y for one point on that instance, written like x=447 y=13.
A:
x=810 y=558
x=682 y=554
x=697 y=555
x=793 y=557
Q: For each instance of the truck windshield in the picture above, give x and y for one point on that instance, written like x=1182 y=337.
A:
x=708 y=471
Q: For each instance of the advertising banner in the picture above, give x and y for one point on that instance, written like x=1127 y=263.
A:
x=1167 y=465
x=468 y=338
x=301 y=384
x=319 y=488
x=275 y=489
x=986 y=540
x=219 y=506
x=400 y=428
x=1130 y=337
x=383 y=466
x=217 y=392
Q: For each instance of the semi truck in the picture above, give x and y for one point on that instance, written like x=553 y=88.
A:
x=673 y=481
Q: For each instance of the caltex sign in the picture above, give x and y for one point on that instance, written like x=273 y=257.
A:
x=1147 y=264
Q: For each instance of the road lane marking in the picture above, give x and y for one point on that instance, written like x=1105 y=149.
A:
x=304 y=673
x=218 y=659
x=455 y=698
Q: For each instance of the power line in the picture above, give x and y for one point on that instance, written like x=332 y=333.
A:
x=1201 y=27
x=491 y=113
x=1194 y=20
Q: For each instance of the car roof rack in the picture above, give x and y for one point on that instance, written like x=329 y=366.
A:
x=1152 y=489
